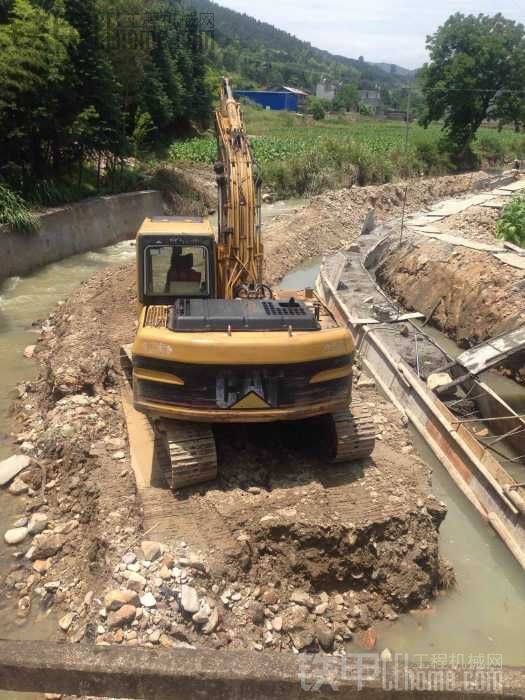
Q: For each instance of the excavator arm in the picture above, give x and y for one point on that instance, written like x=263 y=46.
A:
x=240 y=250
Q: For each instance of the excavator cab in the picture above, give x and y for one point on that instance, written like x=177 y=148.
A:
x=173 y=265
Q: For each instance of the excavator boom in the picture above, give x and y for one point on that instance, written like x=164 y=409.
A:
x=240 y=250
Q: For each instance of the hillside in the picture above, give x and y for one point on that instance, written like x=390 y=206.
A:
x=257 y=53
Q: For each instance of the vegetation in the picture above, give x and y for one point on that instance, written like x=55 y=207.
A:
x=256 y=53
x=476 y=71
x=511 y=225
x=299 y=155
x=14 y=212
x=85 y=83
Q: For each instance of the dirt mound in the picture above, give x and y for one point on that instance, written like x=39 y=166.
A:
x=334 y=219
x=469 y=295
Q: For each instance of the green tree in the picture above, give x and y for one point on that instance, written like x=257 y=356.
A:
x=316 y=108
x=346 y=98
x=474 y=60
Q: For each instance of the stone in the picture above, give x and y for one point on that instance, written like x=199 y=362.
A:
x=136 y=582
x=116 y=599
x=16 y=535
x=122 y=616
x=21 y=522
x=37 y=523
x=165 y=573
x=119 y=454
x=438 y=380
x=129 y=558
x=18 y=487
x=363 y=382
x=277 y=623
x=270 y=596
x=189 y=599
x=29 y=351
x=114 y=443
x=45 y=546
x=256 y=613
x=301 y=637
x=65 y=622
x=294 y=617
x=148 y=600
x=325 y=636
x=203 y=613
x=41 y=566
x=302 y=598
x=321 y=608
x=151 y=550
x=367 y=639
x=12 y=466
x=212 y=623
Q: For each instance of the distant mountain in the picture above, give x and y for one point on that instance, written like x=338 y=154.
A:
x=257 y=54
x=393 y=69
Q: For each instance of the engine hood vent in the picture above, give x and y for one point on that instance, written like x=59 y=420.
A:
x=240 y=315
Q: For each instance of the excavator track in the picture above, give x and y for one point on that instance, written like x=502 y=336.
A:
x=190 y=454
x=352 y=434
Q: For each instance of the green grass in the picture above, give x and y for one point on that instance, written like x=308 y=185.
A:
x=340 y=150
x=15 y=213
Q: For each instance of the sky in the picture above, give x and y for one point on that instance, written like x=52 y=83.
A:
x=379 y=30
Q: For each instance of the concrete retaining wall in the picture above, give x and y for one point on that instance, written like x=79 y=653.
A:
x=90 y=224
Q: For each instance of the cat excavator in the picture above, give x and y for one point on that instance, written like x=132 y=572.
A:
x=215 y=344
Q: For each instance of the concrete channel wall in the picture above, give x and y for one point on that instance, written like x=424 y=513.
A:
x=78 y=228
x=177 y=673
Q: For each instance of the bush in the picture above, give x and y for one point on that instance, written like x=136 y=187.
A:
x=15 y=213
x=511 y=225
x=491 y=149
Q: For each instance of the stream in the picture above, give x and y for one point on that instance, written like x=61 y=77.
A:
x=480 y=615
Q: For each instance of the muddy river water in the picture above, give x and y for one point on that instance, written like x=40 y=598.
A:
x=485 y=613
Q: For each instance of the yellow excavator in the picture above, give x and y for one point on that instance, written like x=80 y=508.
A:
x=215 y=344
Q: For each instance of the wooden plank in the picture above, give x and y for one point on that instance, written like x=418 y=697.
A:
x=487 y=354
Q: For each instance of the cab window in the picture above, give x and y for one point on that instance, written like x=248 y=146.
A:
x=176 y=270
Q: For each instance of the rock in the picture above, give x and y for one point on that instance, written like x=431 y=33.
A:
x=365 y=381
x=301 y=637
x=367 y=639
x=116 y=599
x=386 y=656
x=122 y=616
x=67 y=430
x=129 y=558
x=165 y=573
x=65 y=622
x=29 y=351
x=325 y=636
x=277 y=623
x=151 y=550
x=37 y=523
x=212 y=623
x=45 y=546
x=18 y=487
x=438 y=380
x=114 y=443
x=203 y=613
x=41 y=566
x=189 y=599
x=16 y=535
x=136 y=582
x=404 y=330
x=21 y=522
x=120 y=454
x=256 y=613
x=270 y=596
x=294 y=617
x=12 y=466
x=302 y=598
x=321 y=608
x=148 y=600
